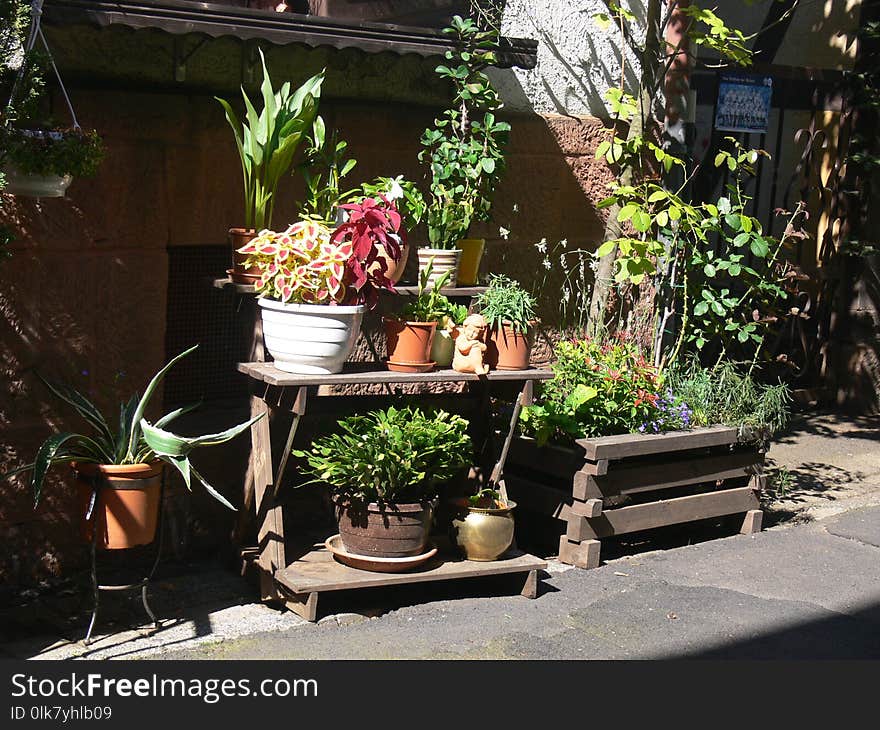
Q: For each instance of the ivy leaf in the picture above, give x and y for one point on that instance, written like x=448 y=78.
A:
x=605 y=249
x=709 y=270
x=733 y=220
x=701 y=308
x=626 y=212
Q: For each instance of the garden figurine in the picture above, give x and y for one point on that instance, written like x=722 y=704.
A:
x=469 y=346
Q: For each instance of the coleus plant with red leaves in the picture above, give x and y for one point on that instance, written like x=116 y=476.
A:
x=373 y=227
x=310 y=264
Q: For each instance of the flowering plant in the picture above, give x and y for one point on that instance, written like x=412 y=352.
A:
x=598 y=389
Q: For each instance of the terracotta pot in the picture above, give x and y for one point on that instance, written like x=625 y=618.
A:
x=409 y=343
x=238 y=237
x=507 y=349
x=393 y=269
x=126 y=511
x=482 y=533
x=469 y=263
x=390 y=531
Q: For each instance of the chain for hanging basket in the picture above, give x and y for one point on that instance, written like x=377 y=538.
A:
x=36 y=31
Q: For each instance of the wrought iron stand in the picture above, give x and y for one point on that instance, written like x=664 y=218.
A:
x=143 y=585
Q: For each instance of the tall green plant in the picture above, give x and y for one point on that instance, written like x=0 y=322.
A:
x=506 y=301
x=323 y=169
x=267 y=142
x=464 y=151
x=136 y=441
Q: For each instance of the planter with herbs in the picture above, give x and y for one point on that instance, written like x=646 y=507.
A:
x=509 y=311
x=266 y=147
x=612 y=448
x=464 y=154
x=385 y=470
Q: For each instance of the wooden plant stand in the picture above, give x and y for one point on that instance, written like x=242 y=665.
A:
x=297 y=585
x=726 y=480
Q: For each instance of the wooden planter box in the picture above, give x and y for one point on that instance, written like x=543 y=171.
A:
x=616 y=485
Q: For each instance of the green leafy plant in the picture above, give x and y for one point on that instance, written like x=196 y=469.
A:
x=267 y=143
x=429 y=305
x=323 y=170
x=51 y=152
x=393 y=456
x=726 y=395
x=136 y=441
x=597 y=389
x=506 y=301
x=464 y=150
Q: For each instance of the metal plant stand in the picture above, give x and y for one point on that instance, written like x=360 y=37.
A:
x=141 y=585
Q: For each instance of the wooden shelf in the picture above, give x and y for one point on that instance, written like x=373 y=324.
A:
x=318 y=572
x=362 y=373
x=406 y=289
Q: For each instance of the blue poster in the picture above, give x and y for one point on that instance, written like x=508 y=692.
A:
x=743 y=103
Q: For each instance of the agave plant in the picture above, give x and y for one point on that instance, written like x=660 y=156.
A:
x=267 y=143
x=135 y=442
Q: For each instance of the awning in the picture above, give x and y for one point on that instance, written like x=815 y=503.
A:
x=183 y=17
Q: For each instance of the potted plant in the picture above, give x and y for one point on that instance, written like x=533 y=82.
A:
x=314 y=283
x=482 y=525
x=385 y=470
x=410 y=337
x=118 y=473
x=510 y=313
x=43 y=162
x=411 y=205
x=266 y=147
x=464 y=152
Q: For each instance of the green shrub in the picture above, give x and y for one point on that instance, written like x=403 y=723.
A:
x=39 y=152
x=398 y=455
x=506 y=301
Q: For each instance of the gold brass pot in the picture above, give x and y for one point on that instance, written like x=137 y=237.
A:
x=482 y=534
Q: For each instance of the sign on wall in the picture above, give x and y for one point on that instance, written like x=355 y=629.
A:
x=743 y=103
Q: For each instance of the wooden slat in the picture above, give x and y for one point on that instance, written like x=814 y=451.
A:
x=558 y=461
x=667 y=474
x=636 y=444
x=661 y=513
x=368 y=373
x=318 y=571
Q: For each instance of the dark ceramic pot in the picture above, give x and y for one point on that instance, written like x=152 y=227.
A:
x=387 y=531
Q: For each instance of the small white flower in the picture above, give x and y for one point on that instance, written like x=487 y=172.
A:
x=396 y=191
x=503 y=232
x=594 y=264
x=516 y=207
x=563 y=242
x=547 y=264
x=542 y=245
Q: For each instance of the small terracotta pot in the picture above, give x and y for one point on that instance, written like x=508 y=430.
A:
x=238 y=237
x=507 y=349
x=409 y=342
x=126 y=510
x=394 y=270
x=390 y=531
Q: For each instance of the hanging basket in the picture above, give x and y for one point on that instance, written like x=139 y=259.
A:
x=35 y=186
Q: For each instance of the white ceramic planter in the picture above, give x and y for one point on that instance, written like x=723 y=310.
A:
x=444 y=260
x=310 y=339
x=36 y=186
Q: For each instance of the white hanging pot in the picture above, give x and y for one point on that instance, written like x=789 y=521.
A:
x=35 y=186
x=310 y=339
x=444 y=260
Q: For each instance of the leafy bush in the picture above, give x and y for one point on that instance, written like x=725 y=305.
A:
x=506 y=301
x=725 y=395
x=52 y=152
x=598 y=389
x=391 y=456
